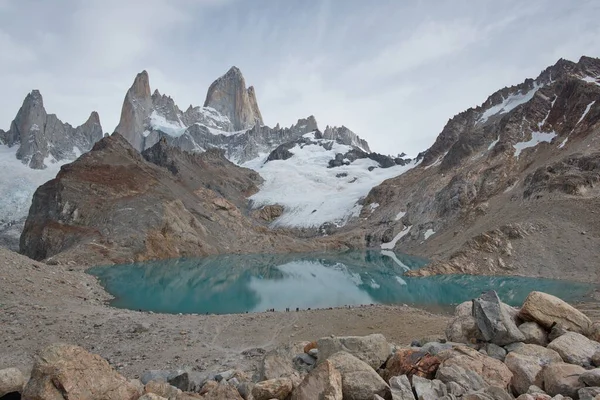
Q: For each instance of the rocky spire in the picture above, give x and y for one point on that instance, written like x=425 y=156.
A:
x=40 y=134
x=229 y=96
x=137 y=107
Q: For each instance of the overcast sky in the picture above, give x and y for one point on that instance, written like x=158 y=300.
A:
x=392 y=71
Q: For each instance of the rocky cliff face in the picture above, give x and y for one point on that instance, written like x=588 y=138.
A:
x=229 y=120
x=40 y=135
x=524 y=161
x=116 y=205
x=230 y=97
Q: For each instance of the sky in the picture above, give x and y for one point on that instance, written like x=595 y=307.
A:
x=392 y=71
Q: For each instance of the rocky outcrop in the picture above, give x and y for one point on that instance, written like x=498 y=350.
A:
x=346 y=136
x=136 y=110
x=42 y=137
x=114 y=205
x=230 y=97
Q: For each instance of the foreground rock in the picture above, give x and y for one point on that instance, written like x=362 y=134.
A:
x=272 y=389
x=359 y=380
x=563 y=379
x=494 y=321
x=69 y=372
x=372 y=349
x=548 y=310
x=411 y=362
x=493 y=372
x=11 y=381
x=575 y=348
x=324 y=382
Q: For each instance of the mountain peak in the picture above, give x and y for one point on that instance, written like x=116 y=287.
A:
x=141 y=85
x=229 y=96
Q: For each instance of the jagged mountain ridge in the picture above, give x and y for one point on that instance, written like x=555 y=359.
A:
x=230 y=119
x=503 y=181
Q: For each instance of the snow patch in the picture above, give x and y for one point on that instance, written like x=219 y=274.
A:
x=510 y=103
x=494 y=143
x=428 y=233
x=392 y=255
x=171 y=128
x=562 y=144
x=373 y=206
x=536 y=138
x=587 y=110
x=309 y=191
x=400 y=215
x=392 y=244
x=591 y=79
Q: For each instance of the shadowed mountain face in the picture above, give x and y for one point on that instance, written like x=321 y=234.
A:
x=509 y=187
x=116 y=205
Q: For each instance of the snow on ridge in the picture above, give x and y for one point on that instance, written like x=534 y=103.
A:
x=428 y=233
x=591 y=79
x=509 y=103
x=171 y=128
x=536 y=138
x=400 y=235
x=310 y=192
x=494 y=143
x=587 y=110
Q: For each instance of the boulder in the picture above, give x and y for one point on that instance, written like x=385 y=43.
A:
x=495 y=351
x=548 y=310
x=152 y=396
x=494 y=321
x=563 y=379
x=162 y=389
x=411 y=362
x=555 y=332
x=534 y=334
x=545 y=355
x=435 y=347
x=359 y=380
x=428 y=389
x=11 y=381
x=272 y=389
x=279 y=363
x=222 y=392
x=62 y=371
x=493 y=371
x=324 y=382
x=464 y=309
x=596 y=359
x=161 y=375
x=245 y=390
x=589 y=393
x=526 y=370
x=188 y=381
x=489 y=393
x=401 y=388
x=591 y=378
x=463 y=329
x=372 y=349
x=575 y=348
x=468 y=380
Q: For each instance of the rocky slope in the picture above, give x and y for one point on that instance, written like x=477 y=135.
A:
x=230 y=120
x=509 y=187
x=116 y=205
x=31 y=153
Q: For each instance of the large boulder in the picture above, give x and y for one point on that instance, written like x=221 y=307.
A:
x=526 y=370
x=429 y=389
x=463 y=329
x=591 y=377
x=359 y=380
x=489 y=393
x=11 y=381
x=279 y=363
x=63 y=371
x=324 y=382
x=411 y=362
x=222 y=392
x=548 y=310
x=162 y=389
x=575 y=348
x=494 y=321
x=372 y=349
x=272 y=389
x=493 y=371
x=534 y=333
x=401 y=388
x=545 y=355
x=589 y=393
x=563 y=379
x=467 y=380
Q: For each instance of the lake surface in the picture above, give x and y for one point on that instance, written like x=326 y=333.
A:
x=255 y=283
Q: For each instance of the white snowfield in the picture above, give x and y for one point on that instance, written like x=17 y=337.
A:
x=313 y=194
x=510 y=103
x=19 y=182
x=536 y=138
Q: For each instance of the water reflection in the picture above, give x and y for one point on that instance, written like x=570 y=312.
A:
x=240 y=283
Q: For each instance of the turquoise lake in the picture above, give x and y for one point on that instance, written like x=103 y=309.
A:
x=255 y=283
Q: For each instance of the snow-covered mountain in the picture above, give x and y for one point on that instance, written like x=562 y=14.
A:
x=31 y=153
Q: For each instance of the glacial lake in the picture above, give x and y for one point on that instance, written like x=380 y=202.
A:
x=254 y=283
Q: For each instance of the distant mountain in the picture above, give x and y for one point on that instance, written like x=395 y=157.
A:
x=508 y=187
x=230 y=120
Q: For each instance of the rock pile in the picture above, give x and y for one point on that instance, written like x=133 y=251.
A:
x=545 y=350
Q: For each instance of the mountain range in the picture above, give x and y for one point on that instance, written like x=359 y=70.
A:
x=508 y=187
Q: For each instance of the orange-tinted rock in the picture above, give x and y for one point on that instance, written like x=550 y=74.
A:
x=411 y=362
x=310 y=346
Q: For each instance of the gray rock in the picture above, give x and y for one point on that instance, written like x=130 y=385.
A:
x=372 y=349
x=188 y=381
x=588 y=393
x=159 y=375
x=279 y=363
x=225 y=375
x=489 y=393
x=435 y=347
x=494 y=321
x=555 y=332
x=545 y=355
x=596 y=359
x=463 y=329
x=534 y=333
x=401 y=388
x=314 y=353
x=305 y=359
x=563 y=379
x=464 y=309
x=245 y=390
x=428 y=389
x=495 y=351
x=527 y=371
x=535 y=389
x=359 y=380
x=467 y=380
x=11 y=380
x=324 y=382
x=575 y=348
x=591 y=377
